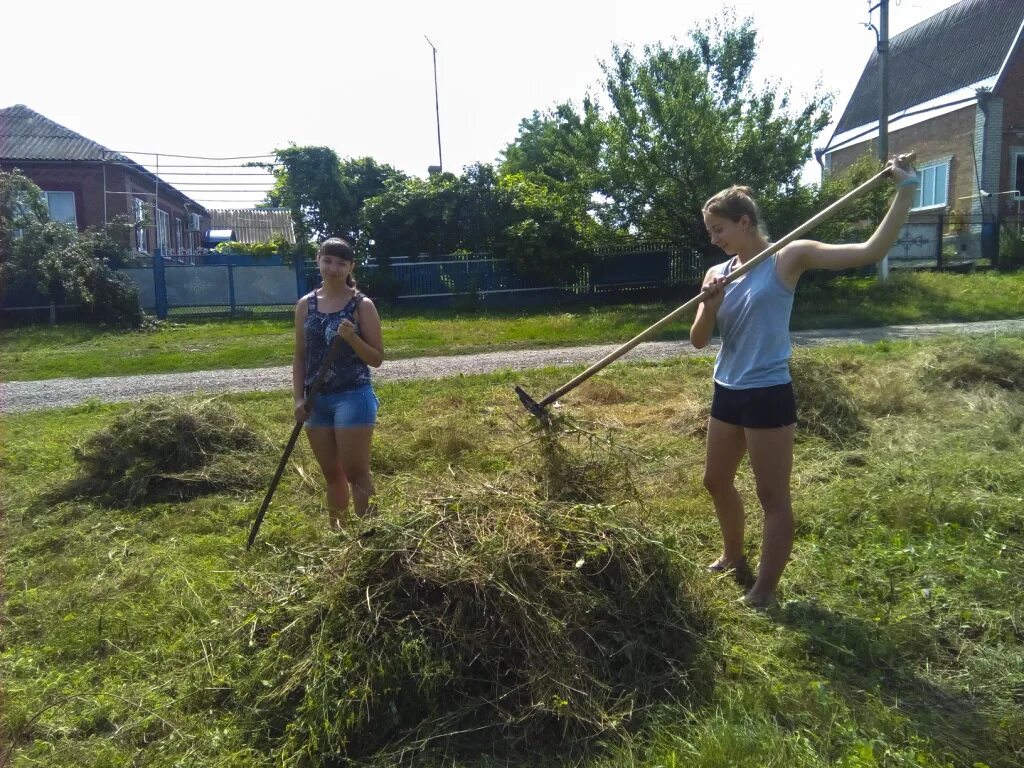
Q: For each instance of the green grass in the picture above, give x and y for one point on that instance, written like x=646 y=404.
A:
x=901 y=642
x=81 y=351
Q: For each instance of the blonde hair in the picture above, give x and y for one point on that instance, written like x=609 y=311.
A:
x=733 y=204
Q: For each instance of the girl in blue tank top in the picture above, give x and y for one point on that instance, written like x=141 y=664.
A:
x=340 y=425
x=753 y=410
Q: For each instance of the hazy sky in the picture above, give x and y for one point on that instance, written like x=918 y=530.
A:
x=228 y=79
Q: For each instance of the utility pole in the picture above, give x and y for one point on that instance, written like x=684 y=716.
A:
x=882 y=38
x=883 y=80
x=437 y=110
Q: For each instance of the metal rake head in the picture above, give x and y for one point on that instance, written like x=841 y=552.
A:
x=532 y=405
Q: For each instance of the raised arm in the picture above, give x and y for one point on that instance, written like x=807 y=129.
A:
x=801 y=255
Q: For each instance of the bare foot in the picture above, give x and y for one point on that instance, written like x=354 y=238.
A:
x=760 y=602
x=722 y=565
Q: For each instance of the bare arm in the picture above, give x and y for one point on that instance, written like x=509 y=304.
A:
x=707 y=311
x=299 y=359
x=369 y=344
x=801 y=255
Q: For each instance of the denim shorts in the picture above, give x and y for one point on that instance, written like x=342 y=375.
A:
x=352 y=408
x=757 y=408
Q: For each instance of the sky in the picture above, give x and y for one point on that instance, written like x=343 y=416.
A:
x=227 y=79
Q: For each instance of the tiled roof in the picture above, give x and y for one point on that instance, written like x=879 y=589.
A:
x=254 y=225
x=956 y=48
x=27 y=135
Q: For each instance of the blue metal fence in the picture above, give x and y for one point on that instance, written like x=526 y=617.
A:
x=169 y=288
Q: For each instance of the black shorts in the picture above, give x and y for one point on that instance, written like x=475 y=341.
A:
x=757 y=408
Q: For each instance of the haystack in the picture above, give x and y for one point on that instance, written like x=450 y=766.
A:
x=974 y=362
x=168 y=451
x=487 y=623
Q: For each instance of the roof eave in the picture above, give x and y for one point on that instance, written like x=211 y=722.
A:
x=1006 y=60
x=918 y=113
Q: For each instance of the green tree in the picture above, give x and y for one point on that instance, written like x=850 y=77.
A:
x=324 y=193
x=686 y=121
x=21 y=204
x=510 y=216
x=559 y=148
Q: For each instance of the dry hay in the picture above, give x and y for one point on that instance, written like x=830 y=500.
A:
x=826 y=407
x=975 y=362
x=167 y=451
x=581 y=462
x=485 y=623
x=602 y=393
x=692 y=414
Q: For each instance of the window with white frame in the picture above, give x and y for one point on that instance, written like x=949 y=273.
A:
x=179 y=234
x=163 y=231
x=139 y=209
x=934 y=189
x=62 y=207
x=1017 y=174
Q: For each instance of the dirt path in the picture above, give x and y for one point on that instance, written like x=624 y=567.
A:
x=23 y=396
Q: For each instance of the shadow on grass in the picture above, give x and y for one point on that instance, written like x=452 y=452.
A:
x=863 y=657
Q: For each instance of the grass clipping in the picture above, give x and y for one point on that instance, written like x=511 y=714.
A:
x=467 y=627
x=167 y=451
x=826 y=407
x=975 y=362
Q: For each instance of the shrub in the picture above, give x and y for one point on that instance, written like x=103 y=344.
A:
x=63 y=265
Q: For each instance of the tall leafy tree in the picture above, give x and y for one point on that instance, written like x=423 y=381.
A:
x=323 y=192
x=560 y=148
x=687 y=121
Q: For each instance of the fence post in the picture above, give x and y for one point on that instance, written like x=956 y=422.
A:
x=159 y=284
x=230 y=287
x=938 y=242
x=300 y=272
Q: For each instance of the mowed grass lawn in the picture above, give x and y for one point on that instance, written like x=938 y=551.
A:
x=130 y=632
x=82 y=351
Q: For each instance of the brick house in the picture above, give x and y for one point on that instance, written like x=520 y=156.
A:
x=88 y=185
x=956 y=98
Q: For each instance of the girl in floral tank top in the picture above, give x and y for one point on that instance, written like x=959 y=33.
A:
x=340 y=424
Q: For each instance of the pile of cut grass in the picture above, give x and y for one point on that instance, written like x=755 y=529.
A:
x=968 y=363
x=826 y=407
x=171 y=450
x=486 y=622
x=581 y=462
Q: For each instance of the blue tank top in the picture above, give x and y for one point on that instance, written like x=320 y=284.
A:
x=348 y=371
x=754 y=322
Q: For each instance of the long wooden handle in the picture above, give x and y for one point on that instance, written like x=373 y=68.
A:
x=810 y=224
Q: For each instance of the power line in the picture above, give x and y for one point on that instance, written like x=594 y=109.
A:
x=192 y=157
x=219 y=183
x=190 y=173
x=193 y=165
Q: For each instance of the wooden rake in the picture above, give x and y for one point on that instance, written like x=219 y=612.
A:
x=539 y=409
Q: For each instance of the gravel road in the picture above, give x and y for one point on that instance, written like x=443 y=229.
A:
x=22 y=396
